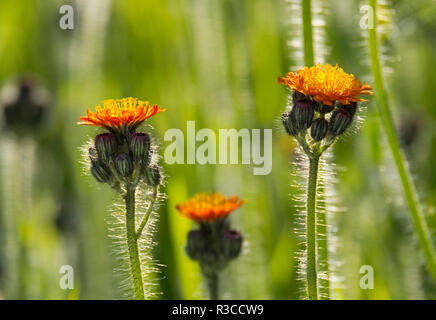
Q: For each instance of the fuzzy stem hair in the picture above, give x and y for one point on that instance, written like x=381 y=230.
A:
x=132 y=243
x=410 y=193
x=312 y=277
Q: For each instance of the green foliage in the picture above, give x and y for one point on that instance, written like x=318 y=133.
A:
x=215 y=62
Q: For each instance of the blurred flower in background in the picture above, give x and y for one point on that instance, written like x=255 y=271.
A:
x=214 y=244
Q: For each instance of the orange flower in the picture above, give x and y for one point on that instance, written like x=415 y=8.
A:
x=115 y=114
x=208 y=206
x=326 y=84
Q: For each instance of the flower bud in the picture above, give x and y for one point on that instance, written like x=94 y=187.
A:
x=140 y=146
x=303 y=112
x=232 y=244
x=152 y=176
x=352 y=107
x=93 y=156
x=340 y=121
x=100 y=172
x=324 y=108
x=106 y=145
x=288 y=120
x=123 y=165
x=319 y=128
x=195 y=245
x=296 y=96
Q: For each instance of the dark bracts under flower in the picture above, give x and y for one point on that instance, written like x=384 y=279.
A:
x=214 y=245
x=122 y=155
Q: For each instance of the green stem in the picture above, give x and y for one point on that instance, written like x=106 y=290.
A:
x=312 y=278
x=212 y=282
x=323 y=254
x=307 y=33
x=132 y=243
x=410 y=193
x=147 y=213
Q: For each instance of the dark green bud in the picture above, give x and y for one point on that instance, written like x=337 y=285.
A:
x=288 y=120
x=232 y=244
x=100 y=172
x=324 y=108
x=196 y=244
x=303 y=111
x=140 y=147
x=340 y=120
x=352 y=107
x=152 y=176
x=93 y=155
x=296 y=96
x=319 y=129
x=106 y=145
x=123 y=165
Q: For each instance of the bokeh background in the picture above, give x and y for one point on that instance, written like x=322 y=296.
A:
x=215 y=62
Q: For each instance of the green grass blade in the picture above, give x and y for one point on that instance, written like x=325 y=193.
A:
x=410 y=193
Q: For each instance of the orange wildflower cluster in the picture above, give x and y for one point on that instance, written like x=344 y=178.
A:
x=113 y=114
x=326 y=84
x=209 y=206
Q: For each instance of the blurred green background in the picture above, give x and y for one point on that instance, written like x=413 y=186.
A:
x=215 y=62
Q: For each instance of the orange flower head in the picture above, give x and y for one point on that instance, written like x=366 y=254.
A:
x=120 y=114
x=209 y=207
x=326 y=84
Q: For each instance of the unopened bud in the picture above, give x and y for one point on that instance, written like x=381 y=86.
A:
x=93 y=156
x=319 y=128
x=195 y=245
x=123 y=165
x=140 y=147
x=100 y=172
x=352 y=107
x=303 y=112
x=288 y=120
x=152 y=176
x=106 y=145
x=324 y=108
x=232 y=244
x=340 y=120
x=296 y=96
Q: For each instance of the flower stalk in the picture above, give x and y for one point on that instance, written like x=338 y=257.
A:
x=410 y=193
x=312 y=277
x=132 y=243
x=122 y=158
x=307 y=33
x=212 y=281
x=324 y=102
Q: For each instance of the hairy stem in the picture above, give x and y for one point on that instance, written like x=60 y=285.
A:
x=132 y=243
x=212 y=282
x=147 y=213
x=410 y=193
x=323 y=254
x=307 y=33
x=312 y=278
